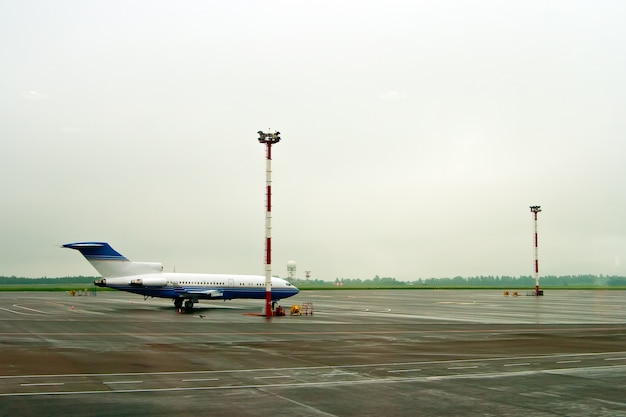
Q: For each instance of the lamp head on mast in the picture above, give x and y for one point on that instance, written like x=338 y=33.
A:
x=270 y=138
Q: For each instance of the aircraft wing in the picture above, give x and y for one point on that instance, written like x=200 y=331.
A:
x=208 y=293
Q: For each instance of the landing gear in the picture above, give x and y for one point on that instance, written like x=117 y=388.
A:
x=180 y=302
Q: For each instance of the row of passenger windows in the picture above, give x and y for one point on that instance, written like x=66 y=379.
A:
x=241 y=284
x=200 y=283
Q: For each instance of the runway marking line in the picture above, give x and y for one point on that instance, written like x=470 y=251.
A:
x=121 y=382
x=14 y=312
x=337 y=371
x=29 y=309
x=403 y=370
x=301 y=384
x=200 y=379
x=308 y=368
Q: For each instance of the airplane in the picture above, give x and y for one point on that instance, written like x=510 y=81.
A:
x=149 y=280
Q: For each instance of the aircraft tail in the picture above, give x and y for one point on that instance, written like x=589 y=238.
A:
x=110 y=263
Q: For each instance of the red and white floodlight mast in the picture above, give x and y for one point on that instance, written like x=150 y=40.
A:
x=268 y=139
x=535 y=210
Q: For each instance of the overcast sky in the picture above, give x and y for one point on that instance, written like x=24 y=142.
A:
x=416 y=134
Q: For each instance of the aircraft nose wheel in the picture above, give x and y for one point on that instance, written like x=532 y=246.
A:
x=188 y=305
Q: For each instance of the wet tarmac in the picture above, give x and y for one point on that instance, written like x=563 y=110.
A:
x=361 y=353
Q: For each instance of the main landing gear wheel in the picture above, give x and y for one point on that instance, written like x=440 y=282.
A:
x=189 y=305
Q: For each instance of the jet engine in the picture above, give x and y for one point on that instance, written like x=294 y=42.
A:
x=148 y=282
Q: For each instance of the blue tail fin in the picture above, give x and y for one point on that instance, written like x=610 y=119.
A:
x=100 y=251
x=110 y=263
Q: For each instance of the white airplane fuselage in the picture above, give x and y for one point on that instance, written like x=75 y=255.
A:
x=200 y=286
x=147 y=279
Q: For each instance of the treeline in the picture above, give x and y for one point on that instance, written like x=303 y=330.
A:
x=46 y=281
x=527 y=281
x=480 y=281
x=483 y=281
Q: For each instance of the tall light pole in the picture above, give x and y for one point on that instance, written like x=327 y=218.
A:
x=535 y=210
x=268 y=139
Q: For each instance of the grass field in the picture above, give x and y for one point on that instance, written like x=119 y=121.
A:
x=50 y=287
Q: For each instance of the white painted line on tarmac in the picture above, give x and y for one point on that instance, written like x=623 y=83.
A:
x=615 y=359
x=29 y=309
x=517 y=364
x=122 y=382
x=463 y=367
x=568 y=361
x=300 y=368
x=14 y=312
x=200 y=379
x=272 y=377
x=404 y=370
x=314 y=411
x=41 y=384
x=340 y=373
x=488 y=375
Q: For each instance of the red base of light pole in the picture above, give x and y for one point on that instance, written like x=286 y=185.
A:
x=268 y=304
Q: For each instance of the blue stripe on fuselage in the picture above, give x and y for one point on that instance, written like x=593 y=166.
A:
x=196 y=292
